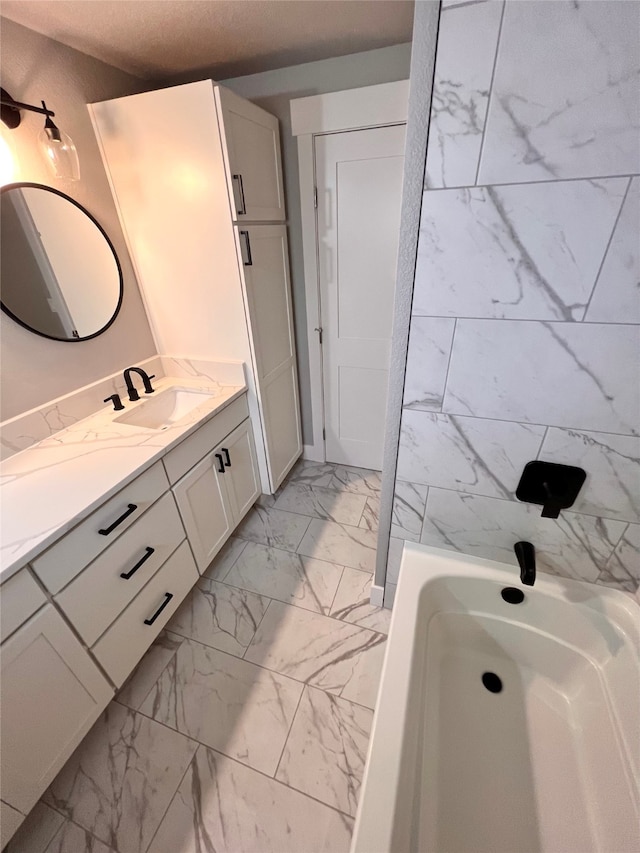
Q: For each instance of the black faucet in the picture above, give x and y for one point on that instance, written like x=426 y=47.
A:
x=526 y=554
x=131 y=390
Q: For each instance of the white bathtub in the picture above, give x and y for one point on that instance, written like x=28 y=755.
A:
x=551 y=763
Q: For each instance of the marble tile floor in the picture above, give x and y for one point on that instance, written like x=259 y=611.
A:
x=245 y=726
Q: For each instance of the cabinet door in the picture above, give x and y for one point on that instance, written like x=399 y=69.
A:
x=253 y=159
x=242 y=474
x=265 y=263
x=205 y=508
x=51 y=694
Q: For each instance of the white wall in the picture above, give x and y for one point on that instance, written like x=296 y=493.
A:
x=273 y=90
x=34 y=369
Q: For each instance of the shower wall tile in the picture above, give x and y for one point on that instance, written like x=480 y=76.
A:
x=408 y=510
x=525 y=329
x=450 y=3
x=430 y=342
x=564 y=101
x=572 y=545
x=474 y=455
x=616 y=298
x=612 y=463
x=581 y=376
x=623 y=568
x=530 y=251
x=467 y=43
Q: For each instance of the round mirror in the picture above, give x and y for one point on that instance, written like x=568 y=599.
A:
x=60 y=275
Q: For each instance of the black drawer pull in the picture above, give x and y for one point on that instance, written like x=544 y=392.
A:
x=107 y=530
x=227 y=461
x=131 y=572
x=247 y=244
x=168 y=597
x=243 y=210
x=220 y=463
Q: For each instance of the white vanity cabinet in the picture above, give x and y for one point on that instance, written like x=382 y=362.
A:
x=252 y=159
x=265 y=270
x=51 y=693
x=121 y=647
x=194 y=196
x=215 y=495
x=78 y=619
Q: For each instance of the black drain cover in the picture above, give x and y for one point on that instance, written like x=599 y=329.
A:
x=492 y=682
x=512 y=595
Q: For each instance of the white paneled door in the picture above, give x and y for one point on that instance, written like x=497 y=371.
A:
x=359 y=181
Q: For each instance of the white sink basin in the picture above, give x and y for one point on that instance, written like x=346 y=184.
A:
x=164 y=409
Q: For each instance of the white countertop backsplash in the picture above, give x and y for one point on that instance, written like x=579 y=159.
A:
x=49 y=487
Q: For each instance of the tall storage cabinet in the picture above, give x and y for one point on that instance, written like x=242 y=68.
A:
x=196 y=174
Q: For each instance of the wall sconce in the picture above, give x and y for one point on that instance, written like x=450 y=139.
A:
x=57 y=146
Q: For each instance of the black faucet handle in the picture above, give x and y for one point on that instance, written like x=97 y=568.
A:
x=148 y=389
x=553 y=502
x=117 y=402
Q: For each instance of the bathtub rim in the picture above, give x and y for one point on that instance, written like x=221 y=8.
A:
x=421 y=565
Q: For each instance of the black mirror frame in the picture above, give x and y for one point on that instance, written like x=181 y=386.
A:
x=24 y=184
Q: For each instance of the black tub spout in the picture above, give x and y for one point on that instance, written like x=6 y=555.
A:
x=526 y=554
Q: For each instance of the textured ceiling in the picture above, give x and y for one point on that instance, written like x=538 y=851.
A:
x=157 y=38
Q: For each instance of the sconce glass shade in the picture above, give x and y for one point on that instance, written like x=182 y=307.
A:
x=60 y=152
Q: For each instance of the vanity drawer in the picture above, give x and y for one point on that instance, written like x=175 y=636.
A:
x=62 y=562
x=182 y=458
x=20 y=596
x=100 y=593
x=120 y=649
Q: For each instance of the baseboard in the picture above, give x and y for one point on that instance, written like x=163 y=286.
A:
x=377 y=595
x=313 y=452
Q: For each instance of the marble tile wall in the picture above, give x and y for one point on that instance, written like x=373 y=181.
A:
x=525 y=330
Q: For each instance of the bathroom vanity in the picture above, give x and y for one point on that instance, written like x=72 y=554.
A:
x=110 y=517
x=106 y=527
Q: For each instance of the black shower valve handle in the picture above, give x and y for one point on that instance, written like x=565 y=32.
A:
x=553 y=502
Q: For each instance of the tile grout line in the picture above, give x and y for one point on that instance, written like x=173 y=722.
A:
x=544 y=438
x=607 y=248
x=489 y=99
x=115 y=698
x=243 y=656
x=288 y=735
x=239 y=554
x=166 y=811
x=446 y=376
x=200 y=745
x=583 y=178
x=553 y=320
x=380 y=634
x=67 y=819
x=570 y=511
x=333 y=600
x=466 y=415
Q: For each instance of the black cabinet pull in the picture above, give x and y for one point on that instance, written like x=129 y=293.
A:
x=107 y=530
x=243 y=211
x=227 y=460
x=249 y=261
x=168 y=597
x=220 y=463
x=132 y=571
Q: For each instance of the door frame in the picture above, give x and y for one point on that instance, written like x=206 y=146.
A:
x=353 y=109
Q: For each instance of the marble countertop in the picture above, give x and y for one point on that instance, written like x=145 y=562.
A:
x=50 y=487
